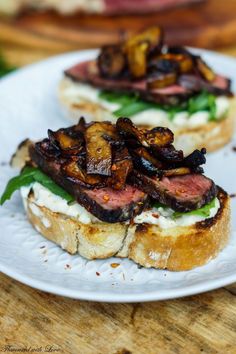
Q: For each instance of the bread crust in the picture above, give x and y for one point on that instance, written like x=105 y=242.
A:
x=176 y=249
x=182 y=248
x=212 y=135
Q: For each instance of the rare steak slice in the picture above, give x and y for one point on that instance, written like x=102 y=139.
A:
x=87 y=72
x=181 y=193
x=111 y=205
x=105 y=203
x=220 y=85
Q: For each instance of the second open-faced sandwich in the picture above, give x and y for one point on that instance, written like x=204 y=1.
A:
x=155 y=85
x=102 y=190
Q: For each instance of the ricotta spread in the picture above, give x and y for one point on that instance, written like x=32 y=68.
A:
x=163 y=217
x=45 y=198
x=77 y=92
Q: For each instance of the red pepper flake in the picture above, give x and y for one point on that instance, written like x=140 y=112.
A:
x=115 y=265
x=106 y=198
x=114 y=167
x=233 y=195
x=155 y=215
x=131 y=222
x=98 y=274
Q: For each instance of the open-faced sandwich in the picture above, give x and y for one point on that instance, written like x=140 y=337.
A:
x=101 y=189
x=154 y=85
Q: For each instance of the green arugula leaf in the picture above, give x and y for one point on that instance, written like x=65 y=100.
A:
x=198 y=103
x=28 y=176
x=203 y=211
x=48 y=183
x=158 y=205
x=203 y=102
x=116 y=97
x=14 y=184
x=131 y=104
x=134 y=108
x=212 y=107
x=4 y=67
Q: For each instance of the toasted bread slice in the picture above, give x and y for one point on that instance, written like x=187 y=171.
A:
x=212 y=136
x=176 y=249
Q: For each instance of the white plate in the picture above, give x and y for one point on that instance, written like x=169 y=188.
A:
x=28 y=106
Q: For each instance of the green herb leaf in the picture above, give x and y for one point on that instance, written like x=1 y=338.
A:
x=134 y=108
x=131 y=104
x=14 y=184
x=4 y=67
x=198 y=103
x=203 y=102
x=203 y=211
x=48 y=183
x=158 y=205
x=212 y=107
x=30 y=175
x=118 y=98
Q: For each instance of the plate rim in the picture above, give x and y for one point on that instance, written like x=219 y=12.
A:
x=108 y=296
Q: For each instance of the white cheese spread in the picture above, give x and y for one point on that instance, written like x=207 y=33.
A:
x=43 y=197
x=163 y=217
x=77 y=92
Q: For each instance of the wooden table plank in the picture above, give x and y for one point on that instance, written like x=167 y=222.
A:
x=197 y=324
x=211 y=24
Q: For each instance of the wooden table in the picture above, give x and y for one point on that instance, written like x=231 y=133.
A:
x=30 y=37
x=198 y=324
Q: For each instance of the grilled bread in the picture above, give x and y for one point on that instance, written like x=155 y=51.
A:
x=212 y=135
x=177 y=249
x=186 y=223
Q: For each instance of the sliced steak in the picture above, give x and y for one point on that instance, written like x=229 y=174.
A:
x=220 y=86
x=172 y=95
x=181 y=193
x=112 y=205
x=105 y=203
x=87 y=72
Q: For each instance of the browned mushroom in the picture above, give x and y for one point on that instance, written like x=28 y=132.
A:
x=129 y=131
x=139 y=46
x=137 y=59
x=205 y=71
x=99 y=153
x=145 y=162
x=73 y=170
x=176 y=172
x=121 y=167
x=161 y=80
x=111 y=61
x=159 y=137
x=68 y=144
x=153 y=35
x=185 y=62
